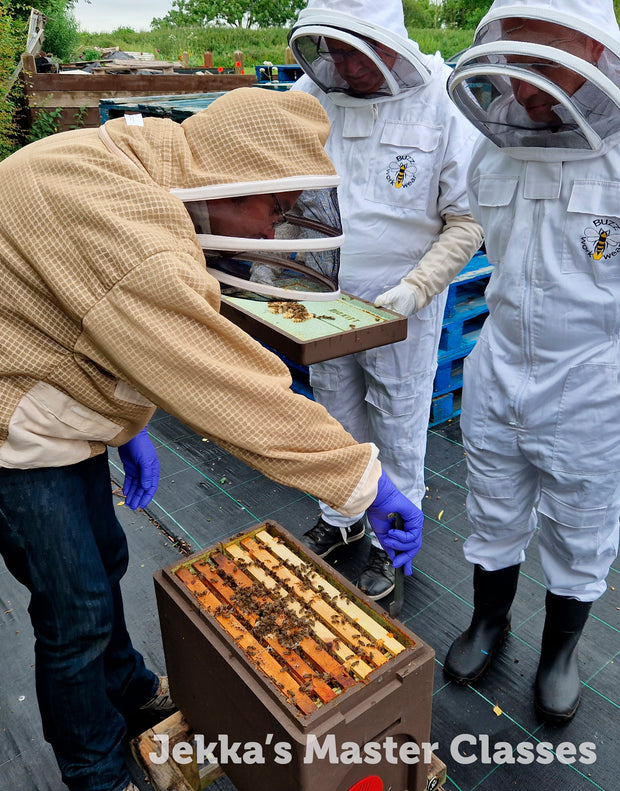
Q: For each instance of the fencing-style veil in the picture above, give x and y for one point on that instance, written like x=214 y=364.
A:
x=357 y=49
x=543 y=75
x=260 y=190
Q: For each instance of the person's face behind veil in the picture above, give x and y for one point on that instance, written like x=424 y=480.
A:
x=538 y=104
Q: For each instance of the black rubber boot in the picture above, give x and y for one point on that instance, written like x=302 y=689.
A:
x=558 y=689
x=471 y=653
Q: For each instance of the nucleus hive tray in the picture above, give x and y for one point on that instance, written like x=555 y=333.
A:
x=343 y=326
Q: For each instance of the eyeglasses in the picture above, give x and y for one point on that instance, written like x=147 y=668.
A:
x=278 y=211
x=340 y=56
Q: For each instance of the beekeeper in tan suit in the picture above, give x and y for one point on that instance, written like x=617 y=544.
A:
x=107 y=311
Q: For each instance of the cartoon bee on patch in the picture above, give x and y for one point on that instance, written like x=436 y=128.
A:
x=397 y=171
x=600 y=241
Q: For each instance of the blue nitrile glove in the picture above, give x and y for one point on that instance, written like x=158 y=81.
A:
x=141 y=470
x=401 y=545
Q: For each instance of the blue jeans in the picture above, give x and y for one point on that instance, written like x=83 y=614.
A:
x=60 y=537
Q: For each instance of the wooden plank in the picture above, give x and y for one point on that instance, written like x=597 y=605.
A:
x=356 y=666
x=143 y=63
x=252 y=648
x=352 y=610
x=77 y=91
x=140 y=84
x=166 y=776
x=308 y=645
x=302 y=672
x=28 y=63
x=177 y=729
x=436 y=775
x=132 y=67
x=338 y=623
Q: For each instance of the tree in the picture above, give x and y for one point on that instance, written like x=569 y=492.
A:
x=463 y=13
x=468 y=13
x=420 y=13
x=60 y=37
x=234 y=13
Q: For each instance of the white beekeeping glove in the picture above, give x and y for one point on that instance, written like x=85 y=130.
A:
x=400 y=299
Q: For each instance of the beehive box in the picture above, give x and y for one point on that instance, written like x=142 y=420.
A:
x=269 y=648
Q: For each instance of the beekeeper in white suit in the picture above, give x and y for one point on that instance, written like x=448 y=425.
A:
x=541 y=399
x=402 y=151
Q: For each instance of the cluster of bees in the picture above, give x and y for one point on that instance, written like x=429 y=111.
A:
x=294 y=310
x=274 y=619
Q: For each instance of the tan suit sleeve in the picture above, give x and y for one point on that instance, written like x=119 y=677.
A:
x=160 y=330
x=459 y=240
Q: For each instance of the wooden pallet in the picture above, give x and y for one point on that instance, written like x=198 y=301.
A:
x=173 y=776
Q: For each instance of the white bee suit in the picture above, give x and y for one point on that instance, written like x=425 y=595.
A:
x=541 y=396
x=402 y=156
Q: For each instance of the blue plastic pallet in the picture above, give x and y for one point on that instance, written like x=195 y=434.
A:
x=281 y=72
x=445 y=407
x=449 y=376
x=175 y=106
x=470 y=280
x=465 y=313
x=456 y=337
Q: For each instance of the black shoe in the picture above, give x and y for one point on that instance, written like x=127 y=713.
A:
x=323 y=537
x=558 y=688
x=158 y=708
x=161 y=702
x=377 y=579
x=472 y=652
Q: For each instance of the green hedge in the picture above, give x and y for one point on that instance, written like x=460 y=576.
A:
x=9 y=47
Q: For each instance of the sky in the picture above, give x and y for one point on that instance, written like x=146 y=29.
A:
x=103 y=16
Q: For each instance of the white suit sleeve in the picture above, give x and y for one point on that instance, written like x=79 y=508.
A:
x=459 y=240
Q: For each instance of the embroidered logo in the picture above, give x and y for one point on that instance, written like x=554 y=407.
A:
x=601 y=241
x=401 y=172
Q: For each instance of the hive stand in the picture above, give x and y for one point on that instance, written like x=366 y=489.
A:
x=173 y=776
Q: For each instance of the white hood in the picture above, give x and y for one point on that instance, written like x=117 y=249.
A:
x=386 y=16
x=592 y=17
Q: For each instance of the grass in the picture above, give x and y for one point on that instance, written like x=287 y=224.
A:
x=257 y=45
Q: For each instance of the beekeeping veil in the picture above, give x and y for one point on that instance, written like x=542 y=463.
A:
x=357 y=49
x=541 y=78
x=253 y=142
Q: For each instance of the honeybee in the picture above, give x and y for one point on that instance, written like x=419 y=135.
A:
x=601 y=240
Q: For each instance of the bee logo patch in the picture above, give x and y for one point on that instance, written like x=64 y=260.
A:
x=601 y=241
x=401 y=172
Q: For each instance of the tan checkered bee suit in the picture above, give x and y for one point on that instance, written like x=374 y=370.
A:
x=106 y=309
